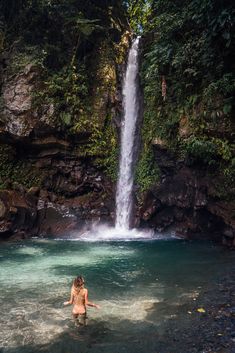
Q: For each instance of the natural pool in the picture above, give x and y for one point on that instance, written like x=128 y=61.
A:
x=140 y=285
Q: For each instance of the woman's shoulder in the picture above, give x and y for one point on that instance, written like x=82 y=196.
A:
x=74 y=289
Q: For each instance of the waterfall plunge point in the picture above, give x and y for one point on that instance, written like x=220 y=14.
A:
x=124 y=194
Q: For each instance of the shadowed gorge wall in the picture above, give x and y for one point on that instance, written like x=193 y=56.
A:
x=61 y=68
x=186 y=169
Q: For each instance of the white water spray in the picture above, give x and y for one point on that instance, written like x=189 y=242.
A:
x=131 y=109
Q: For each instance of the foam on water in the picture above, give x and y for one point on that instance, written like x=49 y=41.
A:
x=134 y=308
x=29 y=250
x=110 y=234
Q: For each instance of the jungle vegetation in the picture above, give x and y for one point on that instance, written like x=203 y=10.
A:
x=188 y=81
x=187 y=72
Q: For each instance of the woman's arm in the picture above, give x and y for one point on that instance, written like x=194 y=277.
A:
x=70 y=301
x=90 y=303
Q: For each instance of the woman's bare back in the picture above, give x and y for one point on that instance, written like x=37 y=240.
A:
x=79 y=300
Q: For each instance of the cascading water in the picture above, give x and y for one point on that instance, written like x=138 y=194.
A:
x=131 y=109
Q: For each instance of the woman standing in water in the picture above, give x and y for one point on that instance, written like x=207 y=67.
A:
x=79 y=298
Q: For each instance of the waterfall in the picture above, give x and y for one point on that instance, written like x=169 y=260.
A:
x=131 y=109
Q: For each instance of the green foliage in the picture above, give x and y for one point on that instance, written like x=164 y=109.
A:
x=147 y=173
x=13 y=169
x=68 y=39
x=219 y=154
x=83 y=28
x=110 y=161
x=67 y=91
x=201 y=150
x=23 y=56
x=102 y=144
x=189 y=43
x=189 y=48
x=223 y=86
x=224 y=149
x=210 y=151
x=63 y=25
x=224 y=183
x=139 y=12
x=83 y=25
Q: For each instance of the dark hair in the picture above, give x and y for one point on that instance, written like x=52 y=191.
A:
x=78 y=281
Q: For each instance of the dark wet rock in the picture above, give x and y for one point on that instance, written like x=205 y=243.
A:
x=20 y=120
x=3 y=209
x=63 y=174
x=34 y=191
x=69 y=188
x=41 y=212
x=55 y=221
x=208 y=332
x=18 y=100
x=185 y=199
x=18 y=187
x=18 y=214
x=19 y=235
x=164 y=158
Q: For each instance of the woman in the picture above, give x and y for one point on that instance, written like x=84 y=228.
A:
x=79 y=298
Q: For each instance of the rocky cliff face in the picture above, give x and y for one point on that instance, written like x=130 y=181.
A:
x=50 y=183
x=185 y=199
x=187 y=163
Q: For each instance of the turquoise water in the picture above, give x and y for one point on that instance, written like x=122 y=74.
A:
x=140 y=285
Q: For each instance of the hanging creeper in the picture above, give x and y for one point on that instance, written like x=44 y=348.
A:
x=164 y=88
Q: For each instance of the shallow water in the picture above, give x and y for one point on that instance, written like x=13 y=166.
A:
x=140 y=285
